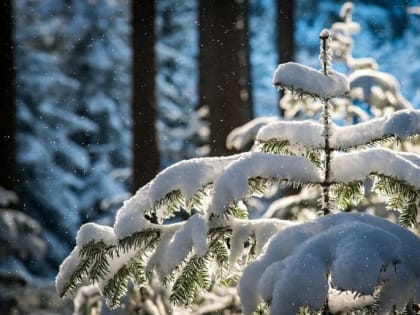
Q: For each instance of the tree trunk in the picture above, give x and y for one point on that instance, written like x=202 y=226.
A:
x=285 y=30
x=8 y=176
x=285 y=33
x=224 y=68
x=145 y=148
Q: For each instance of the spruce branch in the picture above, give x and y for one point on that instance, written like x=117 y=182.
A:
x=145 y=240
x=116 y=287
x=219 y=239
x=175 y=202
x=257 y=186
x=197 y=202
x=96 y=252
x=408 y=216
x=95 y=256
x=284 y=147
x=236 y=210
x=93 y=248
x=193 y=277
x=77 y=278
x=402 y=197
x=345 y=195
x=395 y=187
x=273 y=146
x=262 y=309
x=314 y=156
x=195 y=273
x=93 y=265
x=137 y=270
x=385 y=140
x=220 y=251
x=100 y=267
x=172 y=203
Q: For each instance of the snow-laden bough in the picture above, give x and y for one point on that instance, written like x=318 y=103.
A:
x=232 y=185
x=305 y=266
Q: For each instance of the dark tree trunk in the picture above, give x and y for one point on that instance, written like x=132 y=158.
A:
x=7 y=100
x=145 y=149
x=285 y=32
x=224 y=68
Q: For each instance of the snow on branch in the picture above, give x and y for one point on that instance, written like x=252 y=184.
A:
x=239 y=137
x=355 y=166
x=294 y=269
x=187 y=176
x=232 y=185
x=306 y=80
x=401 y=125
x=307 y=133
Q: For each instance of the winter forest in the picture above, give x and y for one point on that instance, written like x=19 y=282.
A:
x=210 y=157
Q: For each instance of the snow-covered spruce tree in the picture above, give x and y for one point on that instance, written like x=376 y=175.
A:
x=71 y=113
x=317 y=265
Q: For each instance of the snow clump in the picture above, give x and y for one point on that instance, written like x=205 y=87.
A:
x=305 y=265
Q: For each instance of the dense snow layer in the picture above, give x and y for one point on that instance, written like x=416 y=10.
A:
x=359 y=251
x=307 y=132
x=232 y=185
x=401 y=124
x=310 y=81
x=93 y=232
x=188 y=176
x=358 y=165
x=130 y=217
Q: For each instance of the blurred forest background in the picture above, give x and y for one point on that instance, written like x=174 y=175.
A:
x=97 y=96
